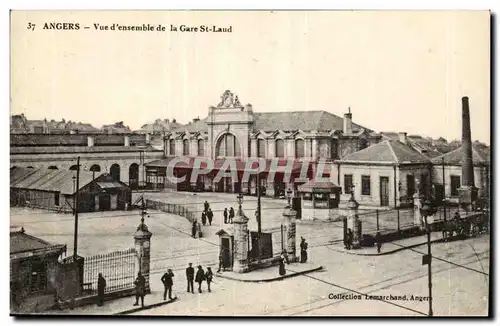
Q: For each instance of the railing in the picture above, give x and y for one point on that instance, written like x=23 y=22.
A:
x=175 y=209
x=118 y=268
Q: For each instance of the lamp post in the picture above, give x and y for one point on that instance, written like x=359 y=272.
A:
x=289 y=196
x=426 y=211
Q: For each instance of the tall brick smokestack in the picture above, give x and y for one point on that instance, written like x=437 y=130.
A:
x=467 y=192
x=467 y=166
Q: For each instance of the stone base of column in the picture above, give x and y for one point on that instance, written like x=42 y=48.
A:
x=240 y=268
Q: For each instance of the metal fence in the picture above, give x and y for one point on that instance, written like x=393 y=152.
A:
x=118 y=268
x=175 y=209
x=387 y=220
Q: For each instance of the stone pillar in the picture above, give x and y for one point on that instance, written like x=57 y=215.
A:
x=291 y=217
x=314 y=149
x=417 y=205
x=96 y=203
x=142 y=239
x=353 y=221
x=240 y=231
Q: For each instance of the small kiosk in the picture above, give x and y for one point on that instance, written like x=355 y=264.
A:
x=226 y=245
x=319 y=200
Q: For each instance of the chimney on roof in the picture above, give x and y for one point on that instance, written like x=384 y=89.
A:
x=348 y=122
x=173 y=120
x=126 y=141
x=90 y=141
x=196 y=119
x=167 y=120
x=403 y=137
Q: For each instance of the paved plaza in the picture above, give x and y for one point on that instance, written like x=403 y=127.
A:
x=460 y=280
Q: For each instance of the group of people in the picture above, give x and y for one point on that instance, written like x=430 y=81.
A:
x=228 y=215
x=207 y=214
x=200 y=276
x=168 y=282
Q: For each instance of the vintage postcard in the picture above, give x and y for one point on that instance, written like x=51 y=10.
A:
x=250 y=163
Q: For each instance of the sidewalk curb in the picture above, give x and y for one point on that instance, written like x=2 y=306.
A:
x=270 y=279
x=154 y=305
x=345 y=251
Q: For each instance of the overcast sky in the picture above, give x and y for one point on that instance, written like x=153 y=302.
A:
x=398 y=71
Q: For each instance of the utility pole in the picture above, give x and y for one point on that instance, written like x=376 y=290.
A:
x=444 y=190
x=76 y=203
x=429 y=265
x=259 y=219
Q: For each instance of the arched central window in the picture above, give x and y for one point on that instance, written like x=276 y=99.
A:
x=228 y=145
x=299 y=148
x=280 y=148
x=185 y=147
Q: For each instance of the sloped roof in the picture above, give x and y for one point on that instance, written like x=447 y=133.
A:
x=455 y=157
x=387 y=151
x=22 y=242
x=82 y=149
x=74 y=140
x=200 y=125
x=48 y=180
x=160 y=125
x=303 y=120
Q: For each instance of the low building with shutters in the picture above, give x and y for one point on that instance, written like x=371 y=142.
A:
x=385 y=174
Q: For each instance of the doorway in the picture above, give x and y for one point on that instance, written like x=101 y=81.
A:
x=384 y=191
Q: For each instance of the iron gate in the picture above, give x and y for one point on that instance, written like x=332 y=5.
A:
x=118 y=268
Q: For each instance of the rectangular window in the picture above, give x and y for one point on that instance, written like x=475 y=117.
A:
x=185 y=147
x=261 y=148
x=333 y=150
x=35 y=275
x=455 y=184
x=280 y=148
x=171 y=150
x=365 y=185
x=410 y=185
x=348 y=183
x=56 y=199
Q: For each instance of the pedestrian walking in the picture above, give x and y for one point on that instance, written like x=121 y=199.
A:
x=378 y=241
x=190 y=278
x=210 y=216
x=282 y=270
x=225 y=215
x=206 y=206
x=168 y=283
x=231 y=215
x=140 y=289
x=194 y=228
x=349 y=239
x=303 y=250
x=221 y=261
x=200 y=276
x=204 y=218
x=198 y=230
x=209 y=276
x=101 y=287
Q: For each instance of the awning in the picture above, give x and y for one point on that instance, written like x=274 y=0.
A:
x=219 y=163
x=319 y=187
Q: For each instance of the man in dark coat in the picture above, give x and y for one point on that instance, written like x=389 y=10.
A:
x=349 y=239
x=225 y=215
x=231 y=215
x=303 y=250
x=101 y=286
x=282 y=270
x=168 y=282
x=206 y=206
x=200 y=276
x=194 y=229
x=204 y=218
x=209 y=276
x=210 y=216
x=190 y=278
x=378 y=241
x=140 y=289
